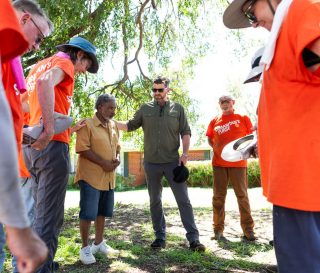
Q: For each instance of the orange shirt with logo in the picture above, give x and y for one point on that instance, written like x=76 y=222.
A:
x=224 y=129
x=288 y=127
x=62 y=92
x=13 y=42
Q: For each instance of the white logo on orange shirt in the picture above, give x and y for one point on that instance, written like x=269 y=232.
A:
x=31 y=80
x=226 y=127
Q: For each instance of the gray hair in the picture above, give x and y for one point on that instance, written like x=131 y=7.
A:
x=104 y=98
x=33 y=8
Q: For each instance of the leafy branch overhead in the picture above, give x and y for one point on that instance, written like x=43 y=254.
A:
x=147 y=37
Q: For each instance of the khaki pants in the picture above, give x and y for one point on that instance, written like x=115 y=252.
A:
x=238 y=178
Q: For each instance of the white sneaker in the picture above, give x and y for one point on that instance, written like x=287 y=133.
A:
x=86 y=256
x=104 y=248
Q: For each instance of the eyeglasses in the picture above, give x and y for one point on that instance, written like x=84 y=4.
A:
x=41 y=36
x=249 y=14
x=160 y=90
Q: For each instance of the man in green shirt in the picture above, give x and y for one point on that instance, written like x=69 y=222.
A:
x=163 y=123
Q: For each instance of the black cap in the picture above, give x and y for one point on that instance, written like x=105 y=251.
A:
x=180 y=173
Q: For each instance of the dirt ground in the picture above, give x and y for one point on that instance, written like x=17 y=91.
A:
x=232 y=246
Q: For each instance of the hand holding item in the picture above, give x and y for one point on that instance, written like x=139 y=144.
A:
x=183 y=159
x=42 y=142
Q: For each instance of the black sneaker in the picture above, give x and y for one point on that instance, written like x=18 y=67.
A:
x=158 y=244
x=197 y=246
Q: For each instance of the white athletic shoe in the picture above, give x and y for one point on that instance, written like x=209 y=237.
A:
x=104 y=248
x=86 y=256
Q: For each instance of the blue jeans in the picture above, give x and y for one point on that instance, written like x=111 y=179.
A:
x=95 y=202
x=296 y=240
x=2 y=244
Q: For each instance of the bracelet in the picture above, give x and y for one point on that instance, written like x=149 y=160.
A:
x=185 y=155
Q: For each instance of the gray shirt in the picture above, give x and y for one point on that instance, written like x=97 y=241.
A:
x=162 y=127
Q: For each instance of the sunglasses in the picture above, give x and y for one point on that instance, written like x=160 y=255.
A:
x=41 y=36
x=160 y=90
x=249 y=14
x=224 y=101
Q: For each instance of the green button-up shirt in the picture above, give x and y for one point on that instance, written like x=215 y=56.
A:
x=162 y=127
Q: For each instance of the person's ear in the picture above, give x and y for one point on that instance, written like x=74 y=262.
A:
x=80 y=54
x=25 y=18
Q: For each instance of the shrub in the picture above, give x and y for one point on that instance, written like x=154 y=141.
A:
x=71 y=185
x=122 y=183
x=201 y=173
x=253 y=173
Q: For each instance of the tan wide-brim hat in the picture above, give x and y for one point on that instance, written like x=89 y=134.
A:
x=233 y=16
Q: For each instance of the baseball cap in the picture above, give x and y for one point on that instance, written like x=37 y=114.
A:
x=256 y=67
x=180 y=173
x=87 y=47
x=234 y=17
x=225 y=98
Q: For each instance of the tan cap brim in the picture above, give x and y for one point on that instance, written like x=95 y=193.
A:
x=233 y=16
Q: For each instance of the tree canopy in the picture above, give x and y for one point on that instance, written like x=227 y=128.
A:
x=146 y=36
x=136 y=41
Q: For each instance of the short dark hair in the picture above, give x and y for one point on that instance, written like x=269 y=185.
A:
x=104 y=98
x=73 y=52
x=162 y=80
x=33 y=8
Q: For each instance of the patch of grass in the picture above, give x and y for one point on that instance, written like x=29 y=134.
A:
x=243 y=248
x=130 y=231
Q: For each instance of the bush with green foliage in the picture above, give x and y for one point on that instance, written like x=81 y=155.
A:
x=201 y=173
x=122 y=183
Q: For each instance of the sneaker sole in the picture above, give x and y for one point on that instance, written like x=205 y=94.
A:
x=86 y=263
x=157 y=247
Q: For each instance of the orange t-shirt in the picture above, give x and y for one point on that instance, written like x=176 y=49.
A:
x=289 y=141
x=63 y=91
x=13 y=43
x=224 y=129
x=24 y=173
x=13 y=96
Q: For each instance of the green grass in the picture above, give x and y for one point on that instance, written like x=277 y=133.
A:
x=130 y=231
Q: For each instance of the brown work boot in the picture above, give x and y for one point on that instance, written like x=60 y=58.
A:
x=217 y=235
x=249 y=236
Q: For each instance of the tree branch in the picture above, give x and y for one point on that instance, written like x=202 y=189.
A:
x=140 y=24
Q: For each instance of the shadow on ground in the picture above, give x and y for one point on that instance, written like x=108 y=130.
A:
x=130 y=231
